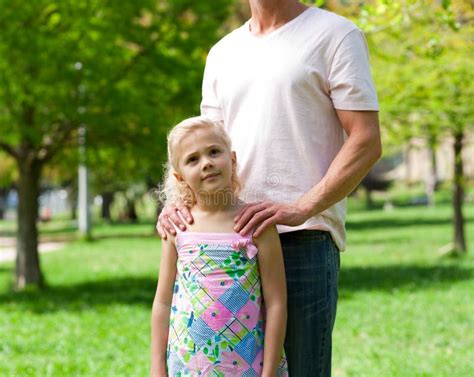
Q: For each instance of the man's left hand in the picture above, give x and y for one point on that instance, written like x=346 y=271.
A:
x=259 y=216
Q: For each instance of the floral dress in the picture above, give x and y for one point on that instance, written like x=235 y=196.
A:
x=217 y=318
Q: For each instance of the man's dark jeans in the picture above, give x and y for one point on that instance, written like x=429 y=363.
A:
x=312 y=269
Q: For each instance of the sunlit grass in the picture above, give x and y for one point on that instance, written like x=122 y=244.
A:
x=403 y=309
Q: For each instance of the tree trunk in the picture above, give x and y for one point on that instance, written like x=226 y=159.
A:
x=432 y=178
x=131 y=211
x=3 y=202
x=369 y=202
x=73 y=213
x=408 y=163
x=107 y=200
x=28 y=271
x=434 y=168
x=72 y=198
x=458 y=195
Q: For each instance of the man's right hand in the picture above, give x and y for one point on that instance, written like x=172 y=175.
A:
x=168 y=216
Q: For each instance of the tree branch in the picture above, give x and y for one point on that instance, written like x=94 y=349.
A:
x=10 y=150
x=123 y=71
x=51 y=150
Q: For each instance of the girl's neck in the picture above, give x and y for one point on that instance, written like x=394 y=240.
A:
x=217 y=202
x=268 y=15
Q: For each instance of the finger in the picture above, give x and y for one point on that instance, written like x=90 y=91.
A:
x=163 y=221
x=248 y=214
x=176 y=220
x=164 y=214
x=166 y=225
x=168 y=210
x=186 y=213
x=159 y=227
x=239 y=215
x=161 y=231
x=261 y=228
x=256 y=220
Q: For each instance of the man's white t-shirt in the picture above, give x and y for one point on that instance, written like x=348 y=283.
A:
x=277 y=96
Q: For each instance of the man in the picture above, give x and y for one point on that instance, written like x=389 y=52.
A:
x=294 y=90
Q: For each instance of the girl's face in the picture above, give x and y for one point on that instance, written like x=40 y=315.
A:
x=204 y=162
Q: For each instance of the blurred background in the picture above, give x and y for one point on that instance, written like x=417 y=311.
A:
x=88 y=91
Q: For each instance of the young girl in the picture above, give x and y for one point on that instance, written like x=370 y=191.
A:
x=208 y=313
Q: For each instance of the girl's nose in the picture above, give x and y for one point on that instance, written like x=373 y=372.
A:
x=207 y=163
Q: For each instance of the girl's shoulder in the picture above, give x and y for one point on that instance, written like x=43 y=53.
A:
x=240 y=205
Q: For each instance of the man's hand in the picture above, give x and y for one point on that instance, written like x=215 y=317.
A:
x=262 y=215
x=168 y=216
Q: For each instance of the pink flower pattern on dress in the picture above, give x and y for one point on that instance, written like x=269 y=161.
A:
x=217 y=314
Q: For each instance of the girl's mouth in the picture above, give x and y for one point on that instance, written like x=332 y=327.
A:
x=209 y=176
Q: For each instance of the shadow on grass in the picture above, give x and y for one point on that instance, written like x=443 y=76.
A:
x=94 y=295
x=99 y=237
x=71 y=231
x=85 y=296
x=394 y=278
x=384 y=239
x=59 y=230
x=5 y=270
x=74 y=237
x=412 y=202
x=399 y=223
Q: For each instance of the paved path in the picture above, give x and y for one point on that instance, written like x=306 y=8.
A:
x=8 y=251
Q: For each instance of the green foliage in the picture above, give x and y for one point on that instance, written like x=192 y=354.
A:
x=7 y=170
x=127 y=70
x=421 y=56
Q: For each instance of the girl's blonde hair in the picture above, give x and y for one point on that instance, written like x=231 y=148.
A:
x=178 y=192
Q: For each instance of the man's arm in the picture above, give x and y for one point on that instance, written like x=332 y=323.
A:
x=359 y=153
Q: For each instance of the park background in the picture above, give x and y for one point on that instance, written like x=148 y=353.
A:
x=94 y=86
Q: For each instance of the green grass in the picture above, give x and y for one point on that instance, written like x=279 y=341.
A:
x=403 y=310
x=93 y=319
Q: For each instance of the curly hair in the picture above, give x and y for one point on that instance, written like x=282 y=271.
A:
x=178 y=192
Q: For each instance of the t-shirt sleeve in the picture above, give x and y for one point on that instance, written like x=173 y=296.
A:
x=210 y=106
x=350 y=82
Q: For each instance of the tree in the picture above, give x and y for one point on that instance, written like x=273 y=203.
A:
x=7 y=177
x=122 y=69
x=424 y=76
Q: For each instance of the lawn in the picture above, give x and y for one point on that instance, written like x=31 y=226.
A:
x=403 y=310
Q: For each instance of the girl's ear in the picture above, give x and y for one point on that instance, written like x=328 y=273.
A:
x=234 y=159
x=178 y=177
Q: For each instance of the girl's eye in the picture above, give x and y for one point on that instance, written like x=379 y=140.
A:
x=215 y=151
x=190 y=160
